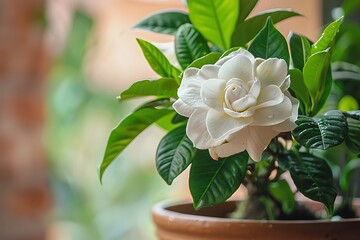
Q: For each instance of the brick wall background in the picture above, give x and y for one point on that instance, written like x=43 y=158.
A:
x=24 y=193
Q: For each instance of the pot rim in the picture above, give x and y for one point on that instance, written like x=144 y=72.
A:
x=162 y=209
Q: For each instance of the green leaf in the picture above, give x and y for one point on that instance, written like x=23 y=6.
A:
x=348 y=172
x=77 y=39
x=210 y=58
x=326 y=93
x=212 y=182
x=167 y=123
x=189 y=45
x=158 y=62
x=300 y=50
x=163 y=87
x=269 y=43
x=315 y=78
x=282 y=192
x=312 y=177
x=321 y=132
x=160 y=103
x=247 y=30
x=353 y=114
x=327 y=38
x=166 y=22
x=214 y=19
x=246 y=6
x=126 y=131
x=174 y=154
x=297 y=86
x=353 y=140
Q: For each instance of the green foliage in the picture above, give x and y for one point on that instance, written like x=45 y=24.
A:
x=246 y=6
x=158 y=62
x=213 y=182
x=353 y=140
x=210 y=58
x=163 y=87
x=300 y=50
x=312 y=177
x=189 y=45
x=297 y=86
x=316 y=81
x=174 y=154
x=282 y=192
x=248 y=29
x=214 y=19
x=166 y=22
x=269 y=43
x=348 y=173
x=75 y=48
x=327 y=38
x=126 y=131
x=321 y=132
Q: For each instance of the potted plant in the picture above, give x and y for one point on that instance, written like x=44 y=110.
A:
x=244 y=107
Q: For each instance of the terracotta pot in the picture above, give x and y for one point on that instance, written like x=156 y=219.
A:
x=182 y=222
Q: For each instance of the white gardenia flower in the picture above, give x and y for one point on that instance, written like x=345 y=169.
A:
x=239 y=103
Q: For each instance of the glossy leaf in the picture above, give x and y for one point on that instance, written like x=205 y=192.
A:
x=326 y=93
x=247 y=30
x=353 y=114
x=210 y=58
x=297 y=86
x=166 y=22
x=312 y=177
x=315 y=77
x=214 y=19
x=157 y=61
x=300 y=50
x=174 y=154
x=353 y=138
x=126 y=131
x=269 y=43
x=321 y=132
x=327 y=38
x=246 y=6
x=189 y=45
x=282 y=192
x=212 y=182
x=163 y=87
x=157 y=103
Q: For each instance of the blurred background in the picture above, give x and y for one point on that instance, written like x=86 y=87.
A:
x=62 y=63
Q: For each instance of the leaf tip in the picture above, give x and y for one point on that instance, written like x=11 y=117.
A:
x=100 y=173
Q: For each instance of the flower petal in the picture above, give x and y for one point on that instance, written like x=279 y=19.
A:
x=273 y=115
x=212 y=93
x=238 y=67
x=189 y=90
x=269 y=96
x=285 y=126
x=220 y=124
x=272 y=71
x=208 y=71
x=257 y=139
x=182 y=108
x=197 y=132
x=240 y=51
x=230 y=148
